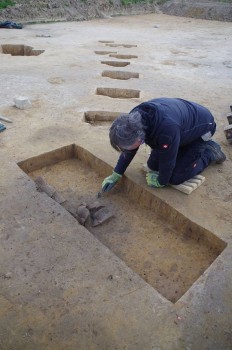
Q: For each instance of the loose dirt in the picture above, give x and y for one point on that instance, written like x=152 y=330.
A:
x=79 y=10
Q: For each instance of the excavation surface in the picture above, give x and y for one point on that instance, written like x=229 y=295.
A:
x=66 y=286
x=170 y=259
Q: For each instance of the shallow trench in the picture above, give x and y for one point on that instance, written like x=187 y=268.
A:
x=160 y=244
x=118 y=93
x=19 y=50
x=105 y=41
x=100 y=117
x=121 y=45
x=121 y=75
x=104 y=52
x=123 y=57
x=115 y=63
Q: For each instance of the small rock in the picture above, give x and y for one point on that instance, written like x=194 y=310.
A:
x=83 y=214
x=93 y=207
x=43 y=186
x=58 y=198
x=22 y=102
x=100 y=217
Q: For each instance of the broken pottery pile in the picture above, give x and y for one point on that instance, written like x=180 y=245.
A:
x=94 y=213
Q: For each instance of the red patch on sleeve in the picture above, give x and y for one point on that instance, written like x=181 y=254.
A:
x=165 y=146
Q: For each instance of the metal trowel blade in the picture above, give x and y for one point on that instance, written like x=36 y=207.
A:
x=100 y=194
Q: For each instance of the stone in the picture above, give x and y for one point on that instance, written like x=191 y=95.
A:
x=22 y=102
x=58 y=198
x=229 y=118
x=43 y=186
x=94 y=206
x=228 y=133
x=83 y=214
x=100 y=217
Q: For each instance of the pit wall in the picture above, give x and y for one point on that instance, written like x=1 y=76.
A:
x=138 y=193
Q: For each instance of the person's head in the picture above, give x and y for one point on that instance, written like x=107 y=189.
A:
x=127 y=132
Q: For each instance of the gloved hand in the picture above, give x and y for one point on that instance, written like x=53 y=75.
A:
x=152 y=179
x=110 y=181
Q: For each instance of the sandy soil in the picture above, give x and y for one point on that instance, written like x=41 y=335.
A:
x=167 y=259
x=56 y=292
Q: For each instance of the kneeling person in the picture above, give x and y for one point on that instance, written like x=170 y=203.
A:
x=179 y=133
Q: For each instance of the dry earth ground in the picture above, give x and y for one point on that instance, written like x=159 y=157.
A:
x=60 y=287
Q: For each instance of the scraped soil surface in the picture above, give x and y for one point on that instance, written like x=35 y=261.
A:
x=168 y=260
x=57 y=281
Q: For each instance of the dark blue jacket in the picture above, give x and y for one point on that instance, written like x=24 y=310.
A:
x=169 y=123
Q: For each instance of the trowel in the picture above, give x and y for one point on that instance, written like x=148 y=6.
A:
x=106 y=188
x=5 y=119
x=100 y=193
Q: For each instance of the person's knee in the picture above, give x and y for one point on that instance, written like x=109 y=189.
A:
x=176 y=180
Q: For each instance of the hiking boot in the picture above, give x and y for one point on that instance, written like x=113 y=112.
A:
x=217 y=156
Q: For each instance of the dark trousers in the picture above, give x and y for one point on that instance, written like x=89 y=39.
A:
x=191 y=160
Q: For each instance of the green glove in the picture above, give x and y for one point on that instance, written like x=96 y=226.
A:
x=152 y=179
x=110 y=181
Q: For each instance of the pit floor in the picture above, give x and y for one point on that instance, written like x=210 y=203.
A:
x=165 y=258
x=61 y=288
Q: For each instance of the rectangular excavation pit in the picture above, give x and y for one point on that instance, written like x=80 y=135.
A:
x=100 y=117
x=123 y=57
x=103 y=52
x=105 y=41
x=122 y=45
x=19 y=50
x=121 y=75
x=165 y=248
x=118 y=93
x=115 y=63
